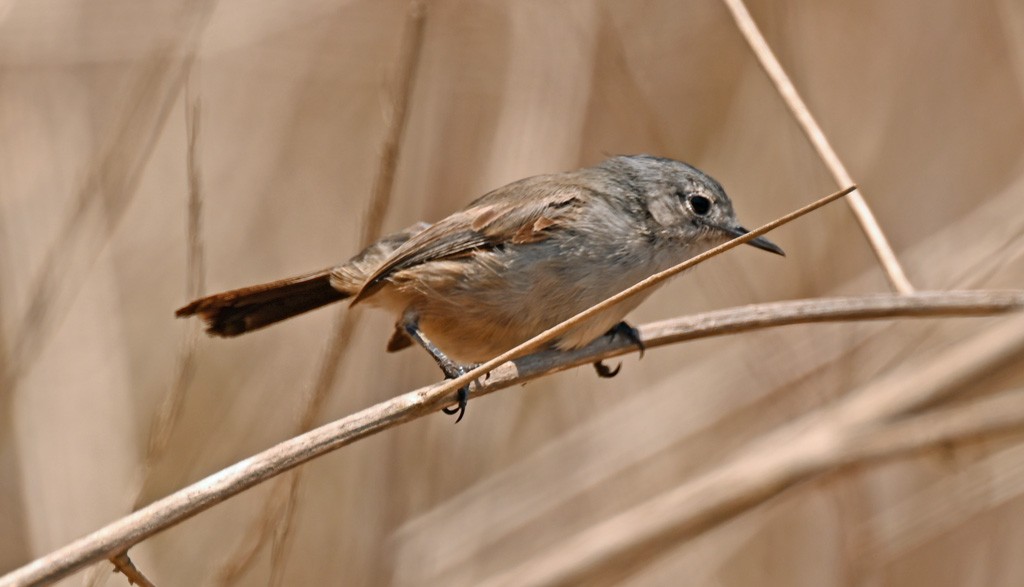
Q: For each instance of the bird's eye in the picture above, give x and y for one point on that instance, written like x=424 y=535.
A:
x=699 y=204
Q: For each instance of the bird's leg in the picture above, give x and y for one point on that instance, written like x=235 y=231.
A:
x=451 y=369
x=630 y=334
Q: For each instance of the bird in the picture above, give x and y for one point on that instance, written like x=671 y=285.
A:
x=513 y=263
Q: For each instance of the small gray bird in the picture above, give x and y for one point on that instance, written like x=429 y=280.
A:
x=512 y=264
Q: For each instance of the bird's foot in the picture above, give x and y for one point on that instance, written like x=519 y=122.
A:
x=630 y=334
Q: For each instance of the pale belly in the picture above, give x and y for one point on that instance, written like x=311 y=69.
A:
x=476 y=311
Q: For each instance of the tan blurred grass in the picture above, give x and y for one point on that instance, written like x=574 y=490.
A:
x=923 y=100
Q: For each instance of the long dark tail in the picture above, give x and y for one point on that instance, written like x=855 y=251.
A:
x=243 y=310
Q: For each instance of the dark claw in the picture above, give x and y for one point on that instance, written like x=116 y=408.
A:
x=629 y=333
x=604 y=371
x=460 y=409
x=462 y=395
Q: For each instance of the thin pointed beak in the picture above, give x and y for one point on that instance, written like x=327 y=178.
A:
x=759 y=242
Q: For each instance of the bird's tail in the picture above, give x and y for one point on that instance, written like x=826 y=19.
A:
x=250 y=308
x=243 y=310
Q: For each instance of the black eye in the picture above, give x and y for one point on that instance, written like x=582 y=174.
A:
x=699 y=204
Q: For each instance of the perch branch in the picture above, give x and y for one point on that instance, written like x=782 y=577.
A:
x=187 y=502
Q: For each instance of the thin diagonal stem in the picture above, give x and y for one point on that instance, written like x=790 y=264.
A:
x=868 y=223
x=551 y=333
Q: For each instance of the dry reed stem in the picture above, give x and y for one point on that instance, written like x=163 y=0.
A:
x=187 y=502
x=405 y=77
x=166 y=417
x=811 y=445
x=865 y=217
x=961 y=497
x=277 y=518
x=106 y=193
x=196 y=284
x=979 y=418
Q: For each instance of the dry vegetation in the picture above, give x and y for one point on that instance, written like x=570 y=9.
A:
x=151 y=151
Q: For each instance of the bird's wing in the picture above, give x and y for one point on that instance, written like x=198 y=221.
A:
x=522 y=212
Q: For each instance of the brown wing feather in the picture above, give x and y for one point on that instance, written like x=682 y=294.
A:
x=519 y=213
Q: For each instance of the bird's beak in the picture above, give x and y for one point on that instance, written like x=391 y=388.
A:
x=759 y=242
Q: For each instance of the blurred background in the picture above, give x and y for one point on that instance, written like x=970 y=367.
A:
x=290 y=103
